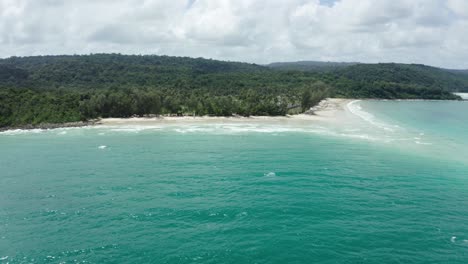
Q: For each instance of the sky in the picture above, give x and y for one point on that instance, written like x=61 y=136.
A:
x=433 y=32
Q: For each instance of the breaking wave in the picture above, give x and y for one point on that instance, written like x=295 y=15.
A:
x=59 y=131
x=355 y=108
x=352 y=128
x=214 y=129
x=21 y=131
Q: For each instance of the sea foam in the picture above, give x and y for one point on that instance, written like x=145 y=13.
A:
x=237 y=129
x=355 y=108
x=22 y=131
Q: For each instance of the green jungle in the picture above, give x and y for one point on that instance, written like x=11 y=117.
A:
x=60 y=89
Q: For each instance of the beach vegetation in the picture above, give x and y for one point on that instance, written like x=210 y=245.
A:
x=57 y=89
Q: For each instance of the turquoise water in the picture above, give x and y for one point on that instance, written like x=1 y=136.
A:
x=442 y=124
x=381 y=186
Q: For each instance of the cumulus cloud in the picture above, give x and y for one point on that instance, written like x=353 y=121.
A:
x=412 y=31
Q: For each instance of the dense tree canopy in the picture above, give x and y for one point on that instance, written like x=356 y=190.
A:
x=58 y=89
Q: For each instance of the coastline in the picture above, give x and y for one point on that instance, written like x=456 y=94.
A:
x=326 y=110
x=46 y=126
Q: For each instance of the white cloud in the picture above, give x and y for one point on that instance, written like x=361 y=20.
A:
x=421 y=31
x=459 y=7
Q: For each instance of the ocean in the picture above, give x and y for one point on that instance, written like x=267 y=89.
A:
x=385 y=182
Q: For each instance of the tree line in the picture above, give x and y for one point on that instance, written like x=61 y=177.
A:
x=56 y=89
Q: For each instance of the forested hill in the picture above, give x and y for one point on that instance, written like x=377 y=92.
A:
x=317 y=66
x=91 y=71
x=55 y=89
x=418 y=74
x=423 y=75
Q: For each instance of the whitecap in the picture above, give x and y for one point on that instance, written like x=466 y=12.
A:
x=422 y=143
x=237 y=129
x=102 y=147
x=352 y=129
x=242 y=214
x=195 y=129
x=270 y=174
x=453 y=239
x=4 y=258
x=359 y=136
x=59 y=130
x=132 y=128
x=21 y=131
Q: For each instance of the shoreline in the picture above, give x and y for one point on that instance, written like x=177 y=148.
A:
x=325 y=110
x=47 y=126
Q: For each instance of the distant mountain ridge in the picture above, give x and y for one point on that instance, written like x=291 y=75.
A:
x=429 y=76
x=327 y=65
x=105 y=69
x=321 y=66
x=426 y=76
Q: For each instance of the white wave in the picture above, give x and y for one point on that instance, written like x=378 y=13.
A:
x=270 y=174
x=126 y=129
x=357 y=110
x=276 y=130
x=352 y=130
x=422 y=143
x=225 y=129
x=237 y=128
x=58 y=131
x=22 y=131
x=194 y=129
x=453 y=239
x=4 y=258
x=242 y=214
x=133 y=128
x=359 y=136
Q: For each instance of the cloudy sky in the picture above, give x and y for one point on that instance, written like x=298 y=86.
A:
x=433 y=32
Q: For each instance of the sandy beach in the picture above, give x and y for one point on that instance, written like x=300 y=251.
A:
x=326 y=110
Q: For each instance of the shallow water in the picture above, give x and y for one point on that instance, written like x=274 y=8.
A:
x=386 y=184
